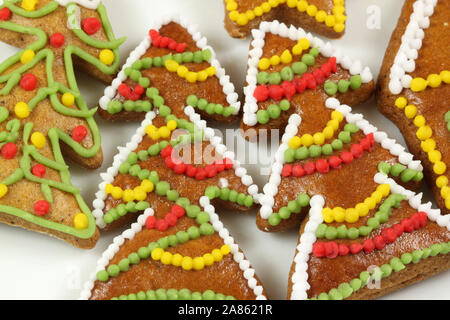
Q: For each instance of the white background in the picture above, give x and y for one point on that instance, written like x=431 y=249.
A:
x=34 y=266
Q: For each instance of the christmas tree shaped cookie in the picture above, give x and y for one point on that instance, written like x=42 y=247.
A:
x=363 y=234
x=325 y=17
x=43 y=115
x=175 y=171
x=413 y=89
x=289 y=70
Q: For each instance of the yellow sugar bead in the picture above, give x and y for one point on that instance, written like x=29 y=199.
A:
x=128 y=195
x=186 y=263
x=311 y=10
x=198 y=263
x=434 y=156
x=319 y=138
x=22 y=110
x=419 y=121
x=339 y=2
x=377 y=196
x=250 y=15
x=441 y=181
x=410 y=111
x=164 y=132
x=339 y=214
x=328 y=132
x=140 y=195
x=447 y=203
x=191 y=77
x=307 y=140
x=117 y=193
x=264 y=64
x=321 y=15
x=304 y=43
x=328 y=215
x=351 y=215
x=445 y=76
x=258 y=11
x=297 y=49
x=208 y=259
x=384 y=189
x=81 y=221
x=3 y=190
x=363 y=209
x=428 y=145
x=445 y=192
x=439 y=167
x=338 y=9
x=295 y=142
x=202 y=75
x=38 y=140
x=172 y=125
x=171 y=65
x=68 y=99
x=291 y=3
x=108 y=188
x=225 y=249
x=302 y=5
x=150 y=128
x=424 y=133
x=401 y=102
x=166 y=258
x=157 y=254
x=266 y=7
x=217 y=254
x=336 y=115
x=231 y=6
x=330 y=21
x=177 y=259
x=147 y=185
x=242 y=19
x=182 y=71
x=434 y=80
x=27 y=56
x=340 y=19
x=418 y=84
x=234 y=15
x=339 y=27
x=29 y=5
x=211 y=71
x=334 y=124
x=275 y=60
x=154 y=135
x=274 y=3
x=286 y=57
x=107 y=56
x=370 y=202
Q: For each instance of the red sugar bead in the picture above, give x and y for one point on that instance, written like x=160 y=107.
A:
x=365 y=144
x=335 y=162
x=368 y=245
x=390 y=235
x=191 y=171
x=332 y=63
x=156 y=42
x=343 y=250
x=79 y=133
x=138 y=89
x=319 y=249
x=124 y=90
x=180 y=47
x=166 y=152
x=319 y=76
x=261 y=93
x=178 y=210
x=150 y=222
x=210 y=171
x=228 y=163
x=28 y=82
x=356 y=150
x=201 y=174
x=379 y=242
x=153 y=34
x=161 y=225
x=326 y=69
x=276 y=92
x=322 y=166
x=172 y=44
x=398 y=228
x=298 y=171
x=57 y=40
x=331 y=249
x=169 y=163
x=300 y=85
x=423 y=218
x=41 y=208
x=164 y=42
x=286 y=171
x=407 y=225
x=5 y=14
x=180 y=168
x=309 y=167
x=310 y=81
x=9 y=151
x=91 y=25
x=355 y=248
x=171 y=219
x=219 y=165
x=347 y=157
x=289 y=89
x=39 y=170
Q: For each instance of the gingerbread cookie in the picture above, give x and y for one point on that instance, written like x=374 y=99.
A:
x=363 y=234
x=325 y=17
x=289 y=70
x=43 y=115
x=413 y=89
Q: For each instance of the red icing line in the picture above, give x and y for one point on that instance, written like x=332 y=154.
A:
x=171 y=219
x=288 y=88
x=129 y=93
x=166 y=42
x=332 y=249
x=209 y=171
x=334 y=162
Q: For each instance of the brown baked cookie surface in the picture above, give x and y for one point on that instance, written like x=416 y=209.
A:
x=43 y=115
x=289 y=70
x=413 y=89
x=325 y=17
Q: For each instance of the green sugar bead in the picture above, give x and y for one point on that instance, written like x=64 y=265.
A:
x=158 y=101
x=131 y=207
x=287 y=74
x=163 y=144
x=134 y=258
x=142 y=205
x=206 y=229
x=314 y=52
x=323 y=296
x=143 y=252
x=173 y=240
x=396 y=264
x=335 y=294
x=274 y=111
x=382 y=216
x=308 y=59
x=196 y=296
x=113 y=270
x=435 y=249
x=135 y=75
x=151 y=295
x=152 y=92
x=331 y=233
x=263 y=116
x=193 y=232
x=154 y=150
x=426 y=253
x=123 y=297
x=364 y=231
x=337 y=144
x=144 y=82
x=351 y=127
x=146 y=106
x=192 y=211
x=210 y=108
x=157 y=62
x=353 y=233
x=113 y=107
x=248 y=202
x=355 y=284
x=417 y=256
x=343 y=85
x=178 y=58
x=134 y=170
x=184 y=294
x=224 y=194
x=184 y=202
x=220 y=296
x=299 y=67
x=198 y=57
x=285 y=105
x=202 y=104
x=327 y=149
x=102 y=276
x=124 y=167
x=241 y=199
x=128 y=71
x=187 y=57
x=342 y=232
x=147 y=63
x=396 y=169
x=345 y=136
x=289 y=155
x=274 y=78
x=202 y=217
x=141 y=295
x=321 y=230
x=172 y=195
x=219 y=109
x=161 y=294
x=302 y=153
x=293 y=206
x=166 y=57
x=114 y=214
x=233 y=196
x=132 y=296
x=377 y=274
x=345 y=289
x=129 y=105
x=154 y=178
x=122 y=209
x=142 y=155
x=407 y=175
x=182 y=236
x=212 y=192
x=330 y=88
x=355 y=82
x=192 y=100
x=107 y=218
x=364 y=277
x=303 y=200
x=163 y=243
x=419 y=174
x=209 y=295
x=144 y=174
x=164 y=111
x=315 y=151
x=386 y=269
x=172 y=294
x=384 y=167
x=228 y=111
x=274 y=219
x=262 y=77
x=162 y=188
x=445 y=248
x=132 y=158
x=373 y=223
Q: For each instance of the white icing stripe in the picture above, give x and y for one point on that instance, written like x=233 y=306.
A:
x=255 y=54
x=201 y=42
x=408 y=52
x=90 y=4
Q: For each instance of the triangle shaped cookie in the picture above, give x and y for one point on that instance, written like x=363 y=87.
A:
x=363 y=234
x=325 y=17
x=289 y=70
x=413 y=89
x=43 y=115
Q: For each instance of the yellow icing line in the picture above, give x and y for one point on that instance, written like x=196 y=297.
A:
x=352 y=215
x=139 y=193
x=424 y=133
x=318 y=138
x=433 y=80
x=336 y=20
x=286 y=56
x=185 y=73
x=162 y=132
